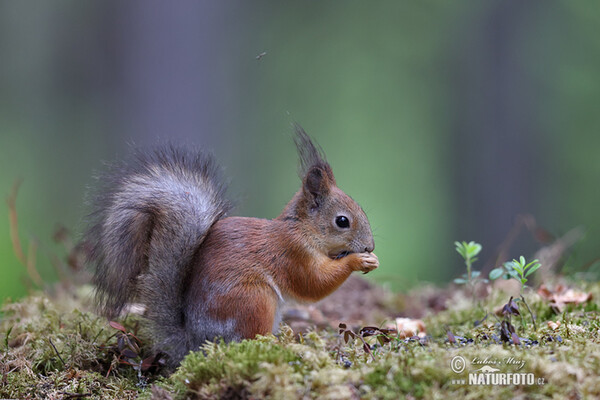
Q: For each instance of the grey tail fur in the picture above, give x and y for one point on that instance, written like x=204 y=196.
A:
x=150 y=219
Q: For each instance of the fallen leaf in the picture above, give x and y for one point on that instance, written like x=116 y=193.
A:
x=408 y=327
x=561 y=296
x=118 y=326
x=553 y=325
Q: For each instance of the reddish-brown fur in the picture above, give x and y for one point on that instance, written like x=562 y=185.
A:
x=246 y=261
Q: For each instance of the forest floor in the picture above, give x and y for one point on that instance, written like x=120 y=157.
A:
x=361 y=342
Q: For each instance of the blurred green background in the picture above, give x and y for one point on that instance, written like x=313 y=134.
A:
x=444 y=120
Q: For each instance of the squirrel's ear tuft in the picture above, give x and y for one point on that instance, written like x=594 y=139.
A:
x=316 y=186
x=311 y=155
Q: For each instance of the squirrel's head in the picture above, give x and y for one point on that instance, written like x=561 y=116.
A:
x=338 y=222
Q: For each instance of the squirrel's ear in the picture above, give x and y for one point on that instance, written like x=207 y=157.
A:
x=317 y=184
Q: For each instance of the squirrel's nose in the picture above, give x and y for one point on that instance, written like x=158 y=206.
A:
x=370 y=246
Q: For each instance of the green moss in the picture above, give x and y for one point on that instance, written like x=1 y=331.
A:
x=49 y=350
x=318 y=364
x=226 y=368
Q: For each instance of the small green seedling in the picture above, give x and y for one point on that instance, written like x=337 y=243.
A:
x=469 y=252
x=518 y=270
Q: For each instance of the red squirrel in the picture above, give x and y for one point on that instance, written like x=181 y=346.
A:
x=160 y=236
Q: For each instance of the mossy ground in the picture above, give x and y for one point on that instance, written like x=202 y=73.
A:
x=564 y=361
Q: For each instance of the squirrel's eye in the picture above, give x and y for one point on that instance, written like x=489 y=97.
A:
x=342 y=221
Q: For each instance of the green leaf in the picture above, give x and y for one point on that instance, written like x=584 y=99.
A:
x=532 y=269
x=460 y=281
x=514 y=274
x=475 y=274
x=496 y=273
x=467 y=250
x=474 y=248
x=522 y=261
x=515 y=265
x=460 y=248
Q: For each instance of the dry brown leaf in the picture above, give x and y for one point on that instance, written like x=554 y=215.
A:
x=408 y=327
x=553 y=325
x=561 y=296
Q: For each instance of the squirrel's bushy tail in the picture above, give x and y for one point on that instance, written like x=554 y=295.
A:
x=149 y=221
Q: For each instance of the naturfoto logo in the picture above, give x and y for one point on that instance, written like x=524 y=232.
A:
x=491 y=372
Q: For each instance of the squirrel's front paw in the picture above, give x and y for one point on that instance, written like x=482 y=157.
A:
x=366 y=262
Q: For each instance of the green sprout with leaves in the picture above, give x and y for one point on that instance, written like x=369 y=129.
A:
x=469 y=252
x=518 y=270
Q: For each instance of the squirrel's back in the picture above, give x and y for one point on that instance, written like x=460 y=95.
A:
x=151 y=215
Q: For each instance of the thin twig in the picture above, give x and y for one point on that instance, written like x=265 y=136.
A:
x=29 y=261
x=366 y=346
x=57 y=353
x=529 y=309
x=94 y=341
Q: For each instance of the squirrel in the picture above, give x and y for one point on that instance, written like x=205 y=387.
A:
x=160 y=236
